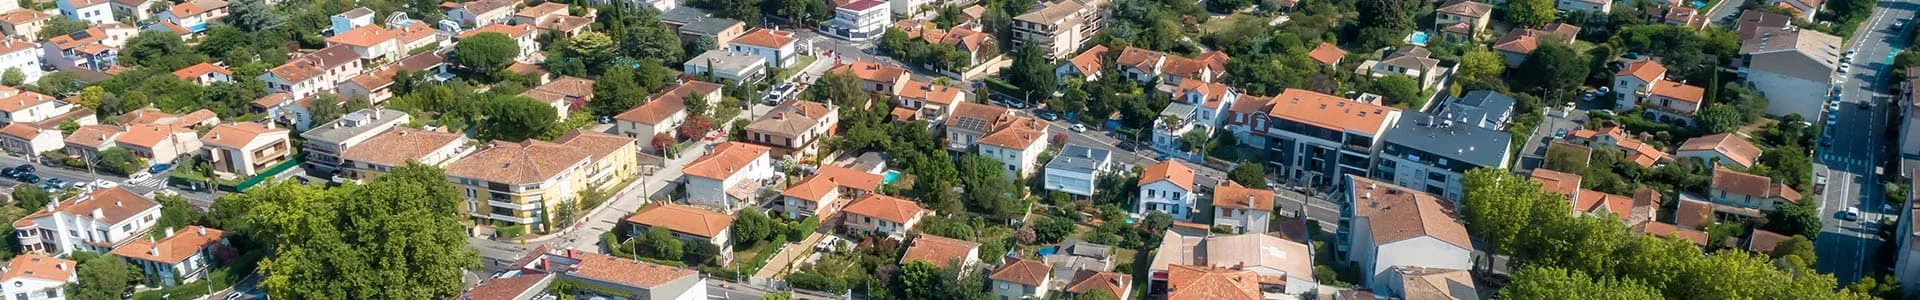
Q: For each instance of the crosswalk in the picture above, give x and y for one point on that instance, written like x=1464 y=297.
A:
x=155 y=181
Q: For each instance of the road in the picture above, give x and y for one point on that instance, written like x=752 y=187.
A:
x=1844 y=246
x=155 y=183
x=1725 y=8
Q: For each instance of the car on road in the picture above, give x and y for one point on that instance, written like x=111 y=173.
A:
x=1819 y=184
x=26 y=167
x=157 y=168
x=1078 y=128
x=105 y=184
x=1561 y=134
x=56 y=182
x=1127 y=145
x=138 y=176
x=1046 y=115
x=1850 y=214
x=30 y=178
x=1844 y=67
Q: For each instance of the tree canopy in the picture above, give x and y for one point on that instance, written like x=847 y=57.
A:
x=398 y=237
x=485 y=53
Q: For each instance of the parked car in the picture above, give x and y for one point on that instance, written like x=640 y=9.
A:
x=1046 y=115
x=30 y=178
x=1851 y=213
x=1127 y=145
x=56 y=182
x=138 y=176
x=1560 y=134
x=29 y=168
x=105 y=184
x=157 y=168
x=1078 y=128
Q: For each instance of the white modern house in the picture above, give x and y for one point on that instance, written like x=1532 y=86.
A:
x=1241 y=209
x=1793 y=67
x=96 y=221
x=21 y=55
x=90 y=11
x=1076 y=170
x=860 y=20
x=1384 y=226
x=778 y=47
x=1167 y=187
x=729 y=177
x=38 y=276
x=480 y=13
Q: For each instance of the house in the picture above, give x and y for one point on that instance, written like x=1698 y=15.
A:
x=1721 y=150
x=926 y=101
x=137 y=10
x=1433 y=154
x=1085 y=66
x=314 y=73
x=911 y=9
x=1565 y=184
x=246 y=148
x=1076 y=258
x=88 y=140
x=1593 y=6
x=1519 y=43
x=1665 y=230
x=1462 y=21
x=1077 y=169
x=416 y=35
x=969 y=38
x=1146 y=65
x=566 y=94
x=882 y=215
x=943 y=252
x=778 y=47
x=1167 y=187
x=21 y=55
x=22 y=139
x=350 y=19
x=160 y=144
x=26 y=106
x=38 y=276
x=1059 y=27
x=95 y=221
x=726 y=66
x=94 y=49
x=1240 y=120
x=859 y=20
x=90 y=11
x=194 y=15
x=1242 y=209
x=828 y=191
x=1209 y=98
x=204 y=74
x=1281 y=265
x=1387 y=227
x=1632 y=210
x=372 y=43
x=970 y=122
x=326 y=143
x=518 y=287
x=1740 y=193
x=1484 y=109
x=664 y=112
x=1907 y=256
x=1762 y=241
x=597 y=274
x=153 y=116
x=1802 y=9
x=522 y=181
x=23 y=23
x=794 y=128
x=1017 y=145
x=730 y=176
x=1412 y=61
x=1084 y=282
x=553 y=17
x=1693 y=214
x=397 y=147
x=876 y=77
x=687 y=223
x=718 y=30
x=182 y=256
x=1327 y=54
x=1636 y=80
x=376 y=85
x=480 y=13
x=1753 y=22
x=1682 y=16
x=1315 y=138
x=1417 y=282
x=1636 y=151
x=1673 y=101
x=1191 y=282
x=1793 y=65
x=1021 y=279
x=525 y=36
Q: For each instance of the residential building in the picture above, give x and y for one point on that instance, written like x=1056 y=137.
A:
x=1804 y=10
x=1060 y=27
x=1462 y=21
x=94 y=49
x=517 y=184
x=1240 y=120
x=1673 y=101
x=1017 y=146
x=1557 y=182
x=687 y=223
x=1167 y=187
x=1762 y=241
x=28 y=140
x=1724 y=149
x=1519 y=43
x=88 y=140
x=1414 y=62
x=1792 y=65
x=925 y=101
x=350 y=19
x=376 y=85
x=38 y=276
x=943 y=252
x=1316 y=138
x=160 y=144
x=1636 y=151
x=828 y=191
x=968 y=38
x=553 y=17
x=18 y=106
x=246 y=148
x=1484 y=109
x=1666 y=230
x=663 y=114
x=398 y=147
x=20 y=55
x=1633 y=210
x=23 y=23
x=1146 y=65
x=778 y=47
x=613 y=159
x=204 y=74
x=1076 y=169
x=1418 y=282
x=137 y=10
x=1907 y=257
x=794 y=128
x=1433 y=154
x=182 y=256
x=1327 y=54
x=374 y=44
x=1085 y=66
x=1241 y=209
x=1281 y=265
x=1021 y=279
x=1083 y=282
x=90 y=11
x=726 y=66
x=1191 y=282
x=280 y=107
x=326 y=142
x=718 y=30
x=1693 y=214
x=314 y=73
x=566 y=94
x=1383 y=227
x=600 y=275
x=194 y=15
x=877 y=77
x=1593 y=6
x=417 y=34
x=1635 y=80
x=970 y=122
x=729 y=177
x=860 y=20
x=480 y=13
x=1684 y=17
x=95 y=221
x=1739 y=193
x=524 y=36
x=882 y=215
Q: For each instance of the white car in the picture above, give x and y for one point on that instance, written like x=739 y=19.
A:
x=1843 y=68
x=1852 y=213
x=137 y=177
x=1078 y=128
x=105 y=184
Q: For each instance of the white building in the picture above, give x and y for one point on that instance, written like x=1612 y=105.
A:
x=96 y=221
x=1383 y=226
x=1430 y=153
x=1059 y=27
x=194 y=15
x=479 y=13
x=1316 y=138
x=1017 y=146
x=35 y=276
x=21 y=55
x=1241 y=209
x=729 y=177
x=182 y=256
x=1076 y=170
x=909 y=8
x=1021 y=279
x=20 y=138
x=687 y=223
x=663 y=114
x=346 y=21
x=1907 y=262
x=860 y=20
x=1167 y=187
x=372 y=43
x=26 y=106
x=1595 y=6
x=315 y=73
x=90 y=11
x=1264 y=254
x=778 y=47
x=1794 y=68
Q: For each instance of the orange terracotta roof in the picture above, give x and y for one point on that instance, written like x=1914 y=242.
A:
x=684 y=219
x=1592 y=201
x=1327 y=53
x=1764 y=241
x=1693 y=214
x=828 y=178
x=886 y=208
x=667 y=103
x=765 y=38
x=626 y=271
x=1189 y=282
x=236 y=135
x=596 y=145
x=22 y=100
x=542 y=10
x=1171 y=171
x=938 y=251
x=725 y=159
x=39 y=266
x=1698 y=238
x=195 y=71
x=1330 y=112
x=1086 y=280
x=870 y=71
x=20 y=130
x=174 y=249
x=1679 y=91
x=94 y=135
x=1023 y=132
x=512 y=31
x=1731 y=146
x=23 y=16
x=1403 y=213
x=525 y=162
x=115 y=205
x=504 y=288
x=1645 y=70
x=976 y=117
x=1232 y=195
x=1753 y=185
x=931 y=93
x=364 y=36
x=397 y=146
x=1022 y=271
x=1557 y=182
x=1090 y=61
x=148 y=136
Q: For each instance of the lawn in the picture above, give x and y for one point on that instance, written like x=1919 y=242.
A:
x=1224 y=23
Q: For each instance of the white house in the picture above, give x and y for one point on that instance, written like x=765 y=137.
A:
x=478 y=13
x=688 y=223
x=882 y=216
x=1021 y=279
x=1794 y=68
x=182 y=256
x=372 y=43
x=26 y=106
x=909 y=8
x=777 y=46
x=315 y=73
x=204 y=74
x=94 y=221
x=1167 y=187
x=90 y=11
x=21 y=55
x=860 y=20
x=194 y=15
x=347 y=21
x=1076 y=170
x=1412 y=61
x=1017 y=146
x=1386 y=226
x=1241 y=209
x=729 y=177
x=23 y=139
x=663 y=114
x=37 y=276
x=1595 y=6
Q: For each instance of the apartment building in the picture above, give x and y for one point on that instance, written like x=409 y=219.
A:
x=1433 y=154
x=1060 y=27
x=325 y=143
x=398 y=147
x=1315 y=138
x=97 y=221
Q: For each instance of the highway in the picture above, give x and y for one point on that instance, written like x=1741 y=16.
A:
x=1844 y=247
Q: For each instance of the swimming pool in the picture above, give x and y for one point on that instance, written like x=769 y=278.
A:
x=1418 y=38
x=889 y=177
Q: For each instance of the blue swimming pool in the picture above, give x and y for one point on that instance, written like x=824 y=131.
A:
x=890 y=177
x=1418 y=38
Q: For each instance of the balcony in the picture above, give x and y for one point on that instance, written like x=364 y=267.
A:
x=514 y=206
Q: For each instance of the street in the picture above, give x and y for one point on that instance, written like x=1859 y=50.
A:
x=1844 y=247
x=157 y=182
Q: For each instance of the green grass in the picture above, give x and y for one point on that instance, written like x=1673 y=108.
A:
x=800 y=62
x=1228 y=22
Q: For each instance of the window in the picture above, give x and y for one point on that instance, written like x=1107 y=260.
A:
x=21 y=296
x=1003 y=285
x=53 y=293
x=126 y=228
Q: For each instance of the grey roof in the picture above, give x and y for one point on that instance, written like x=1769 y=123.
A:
x=1178 y=109
x=1453 y=141
x=709 y=26
x=1077 y=158
x=724 y=60
x=1083 y=248
x=683 y=15
x=1480 y=107
x=363 y=122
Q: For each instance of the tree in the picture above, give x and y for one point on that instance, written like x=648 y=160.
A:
x=1096 y=294
x=1032 y=72
x=1794 y=220
x=616 y=92
x=1400 y=90
x=1228 y=6
x=1797 y=245
x=1718 y=118
x=485 y=53
x=30 y=197
x=61 y=26
x=1251 y=175
x=1554 y=283
x=1499 y=205
x=750 y=227
x=700 y=106
x=1552 y=68
x=397 y=237
x=13 y=77
x=516 y=118
x=654 y=41
x=357 y=103
x=159 y=49
x=838 y=88
x=1529 y=13
x=592 y=48
x=118 y=161
x=1481 y=66
x=176 y=212
x=988 y=189
x=1386 y=21
x=326 y=107
x=663 y=245
x=1052 y=229
x=91 y=96
x=101 y=277
x=253 y=15
x=921 y=280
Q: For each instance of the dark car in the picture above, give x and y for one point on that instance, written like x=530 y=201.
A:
x=1046 y=115
x=156 y=169
x=26 y=167
x=1127 y=145
x=30 y=178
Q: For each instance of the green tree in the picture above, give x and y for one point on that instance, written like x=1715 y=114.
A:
x=61 y=26
x=653 y=41
x=1032 y=72
x=1052 y=229
x=616 y=92
x=1552 y=68
x=253 y=15
x=1797 y=245
x=1718 y=118
x=1481 y=65
x=1544 y=283
x=516 y=118
x=1499 y=205
x=326 y=107
x=13 y=77
x=91 y=96
x=118 y=161
x=159 y=49
x=1794 y=220
x=30 y=197
x=176 y=212
x=592 y=48
x=921 y=280
x=1400 y=90
x=663 y=245
x=1251 y=175
x=398 y=237
x=1529 y=13
x=988 y=189
x=1386 y=21
x=838 y=88
x=485 y=53
x=101 y=277
x=1096 y=294
x=751 y=226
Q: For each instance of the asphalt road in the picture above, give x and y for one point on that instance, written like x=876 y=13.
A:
x=200 y=199
x=1845 y=246
x=1723 y=9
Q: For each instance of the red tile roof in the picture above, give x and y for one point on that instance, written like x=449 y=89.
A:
x=1171 y=171
x=1645 y=70
x=39 y=266
x=1232 y=195
x=886 y=208
x=626 y=271
x=938 y=251
x=1022 y=271
x=1753 y=185
x=1189 y=282
x=182 y=244
x=1402 y=213
x=195 y=71
x=684 y=219
x=829 y=178
x=725 y=160
x=1733 y=147
x=1327 y=54
x=766 y=38
x=1330 y=112
x=115 y=205
x=1557 y=182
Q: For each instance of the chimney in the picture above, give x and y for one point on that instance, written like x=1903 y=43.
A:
x=169 y=231
x=99 y=214
x=202 y=230
x=60 y=266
